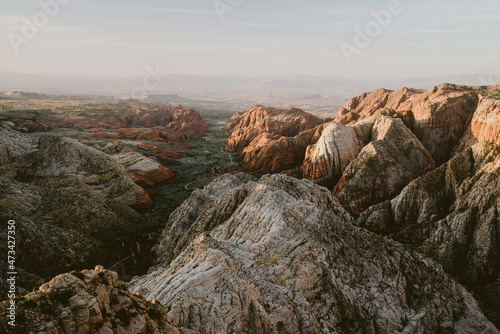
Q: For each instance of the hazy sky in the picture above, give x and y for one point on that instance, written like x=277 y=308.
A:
x=255 y=38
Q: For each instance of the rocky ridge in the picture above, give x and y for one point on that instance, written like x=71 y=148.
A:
x=451 y=215
x=247 y=126
x=282 y=255
x=392 y=159
x=67 y=199
x=90 y=301
x=441 y=122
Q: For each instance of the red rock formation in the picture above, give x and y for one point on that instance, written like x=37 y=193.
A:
x=168 y=154
x=247 y=126
x=142 y=201
x=35 y=126
x=144 y=171
x=84 y=122
x=129 y=133
x=269 y=153
x=352 y=104
x=147 y=178
x=180 y=124
x=438 y=117
x=95 y=130
x=189 y=123
x=154 y=116
x=427 y=128
x=158 y=134
x=153 y=135
x=485 y=124
x=368 y=104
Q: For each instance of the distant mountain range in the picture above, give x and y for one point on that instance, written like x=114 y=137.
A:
x=218 y=88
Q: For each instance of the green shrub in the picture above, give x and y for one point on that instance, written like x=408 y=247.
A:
x=78 y=274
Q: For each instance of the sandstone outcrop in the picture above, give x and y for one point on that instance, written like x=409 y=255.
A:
x=14 y=144
x=383 y=156
x=189 y=123
x=442 y=121
x=484 y=125
x=144 y=170
x=67 y=200
x=90 y=301
x=393 y=158
x=280 y=255
x=451 y=215
x=326 y=160
x=269 y=153
x=439 y=119
x=129 y=133
x=248 y=125
x=33 y=126
x=157 y=134
x=438 y=116
x=367 y=104
x=186 y=123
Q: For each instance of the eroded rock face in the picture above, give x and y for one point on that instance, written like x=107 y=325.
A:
x=441 y=121
x=367 y=104
x=189 y=123
x=257 y=120
x=451 y=215
x=67 y=199
x=393 y=158
x=438 y=116
x=269 y=153
x=90 y=301
x=63 y=161
x=484 y=125
x=326 y=160
x=144 y=171
x=14 y=144
x=281 y=255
